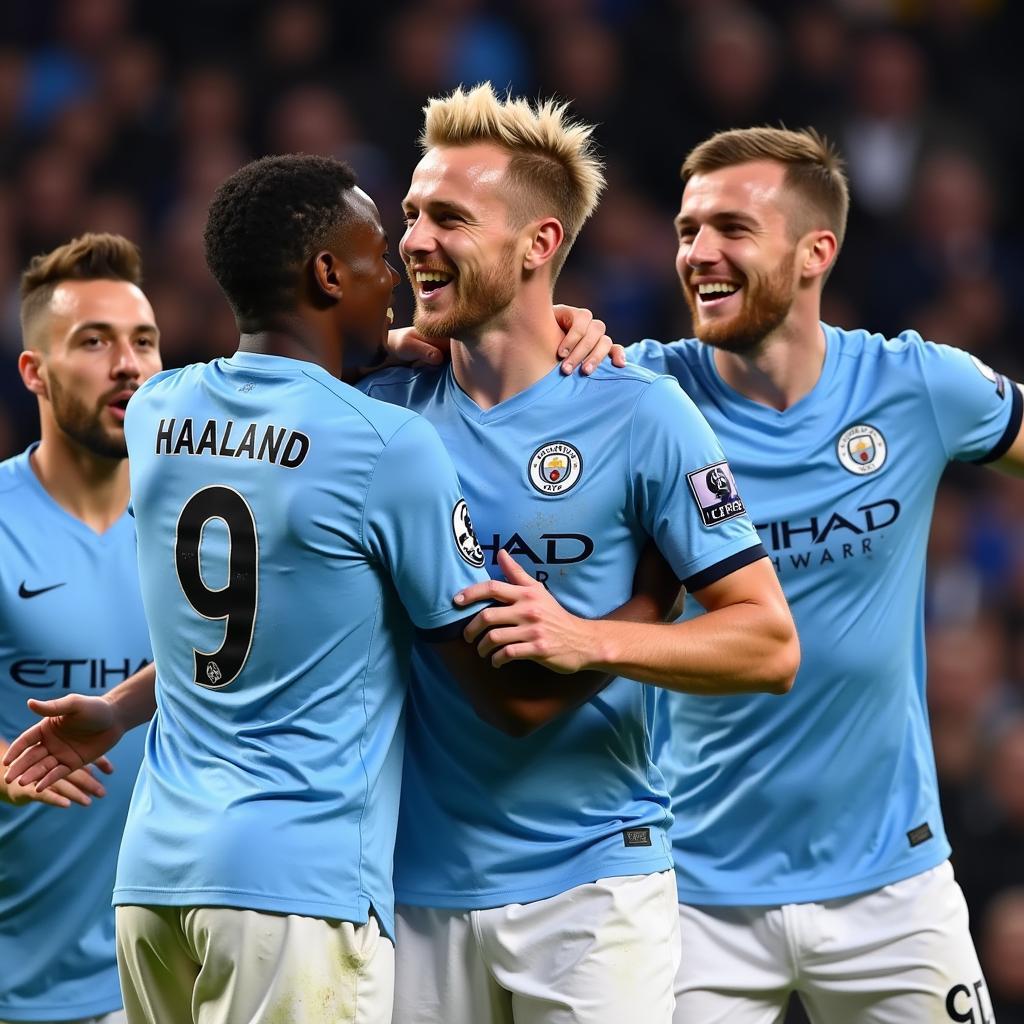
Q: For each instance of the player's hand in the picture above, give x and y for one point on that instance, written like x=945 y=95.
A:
x=75 y=731
x=408 y=348
x=528 y=624
x=585 y=340
x=77 y=788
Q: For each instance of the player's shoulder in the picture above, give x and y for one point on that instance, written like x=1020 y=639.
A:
x=338 y=399
x=170 y=378
x=13 y=472
x=687 y=359
x=641 y=396
x=903 y=358
x=400 y=383
x=907 y=346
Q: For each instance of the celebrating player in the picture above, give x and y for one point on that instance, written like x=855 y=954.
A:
x=72 y=620
x=284 y=519
x=534 y=873
x=809 y=845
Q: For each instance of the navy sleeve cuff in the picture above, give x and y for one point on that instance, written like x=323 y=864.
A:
x=713 y=573
x=1012 y=428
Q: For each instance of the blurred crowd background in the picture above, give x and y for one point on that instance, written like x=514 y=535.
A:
x=124 y=116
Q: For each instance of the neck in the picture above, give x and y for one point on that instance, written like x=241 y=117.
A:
x=782 y=369
x=507 y=355
x=90 y=487
x=292 y=336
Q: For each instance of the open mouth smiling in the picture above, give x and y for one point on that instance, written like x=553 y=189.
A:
x=431 y=283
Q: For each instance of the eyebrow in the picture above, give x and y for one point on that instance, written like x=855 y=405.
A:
x=100 y=325
x=435 y=205
x=722 y=215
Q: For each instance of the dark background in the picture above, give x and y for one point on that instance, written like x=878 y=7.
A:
x=124 y=116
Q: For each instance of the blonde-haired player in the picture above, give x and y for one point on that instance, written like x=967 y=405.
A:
x=533 y=873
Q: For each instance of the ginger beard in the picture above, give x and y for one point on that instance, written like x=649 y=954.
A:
x=478 y=296
x=767 y=301
x=83 y=425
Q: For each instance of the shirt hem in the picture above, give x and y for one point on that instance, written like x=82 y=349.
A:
x=355 y=913
x=776 y=897
x=64 y=1011
x=529 y=894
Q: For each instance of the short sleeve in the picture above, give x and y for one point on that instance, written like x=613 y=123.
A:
x=650 y=354
x=417 y=524
x=685 y=492
x=977 y=410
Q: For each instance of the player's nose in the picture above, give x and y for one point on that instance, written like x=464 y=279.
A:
x=418 y=238
x=704 y=248
x=126 y=359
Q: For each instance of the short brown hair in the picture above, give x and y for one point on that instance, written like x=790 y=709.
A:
x=90 y=257
x=553 y=169
x=814 y=168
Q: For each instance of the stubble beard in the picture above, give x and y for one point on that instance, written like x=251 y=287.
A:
x=480 y=297
x=766 y=304
x=84 y=426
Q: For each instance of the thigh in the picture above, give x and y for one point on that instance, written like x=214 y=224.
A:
x=440 y=976
x=156 y=970
x=600 y=953
x=734 y=967
x=901 y=953
x=258 y=967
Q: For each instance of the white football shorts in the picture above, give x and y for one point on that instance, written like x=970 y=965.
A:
x=601 y=953
x=901 y=954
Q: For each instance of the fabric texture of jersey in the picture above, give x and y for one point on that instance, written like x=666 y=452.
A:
x=312 y=515
x=571 y=477
x=71 y=622
x=831 y=791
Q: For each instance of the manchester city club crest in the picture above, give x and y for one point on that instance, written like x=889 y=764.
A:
x=861 y=449
x=462 y=527
x=555 y=467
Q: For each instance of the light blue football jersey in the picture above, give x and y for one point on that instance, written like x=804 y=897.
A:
x=70 y=622
x=291 y=532
x=832 y=791
x=571 y=477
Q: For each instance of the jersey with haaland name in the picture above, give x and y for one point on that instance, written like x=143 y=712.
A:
x=832 y=791
x=571 y=477
x=71 y=621
x=289 y=530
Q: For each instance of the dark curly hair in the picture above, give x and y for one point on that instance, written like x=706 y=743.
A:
x=266 y=221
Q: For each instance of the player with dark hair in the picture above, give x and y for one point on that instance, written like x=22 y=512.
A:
x=71 y=620
x=284 y=521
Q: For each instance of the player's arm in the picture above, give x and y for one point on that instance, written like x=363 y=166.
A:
x=746 y=643
x=585 y=343
x=1012 y=460
x=519 y=696
x=75 y=731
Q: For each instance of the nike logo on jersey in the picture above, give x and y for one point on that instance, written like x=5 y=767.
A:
x=23 y=591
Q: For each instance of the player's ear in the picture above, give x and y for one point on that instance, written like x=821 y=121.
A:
x=327 y=271
x=30 y=366
x=545 y=238
x=820 y=248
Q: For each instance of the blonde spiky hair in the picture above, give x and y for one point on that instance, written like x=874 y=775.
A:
x=553 y=171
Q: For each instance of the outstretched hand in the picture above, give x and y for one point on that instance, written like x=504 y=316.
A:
x=74 y=732
x=528 y=623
